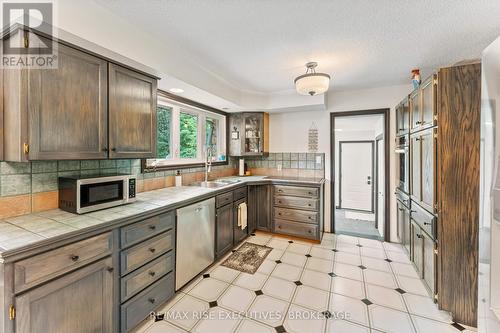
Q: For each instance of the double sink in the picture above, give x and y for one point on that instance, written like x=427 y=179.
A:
x=216 y=183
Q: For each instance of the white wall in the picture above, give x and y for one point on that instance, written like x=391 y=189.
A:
x=289 y=130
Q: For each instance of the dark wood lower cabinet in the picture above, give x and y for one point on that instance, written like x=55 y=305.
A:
x=81 y=301
x=259 y=207
x=417 y=247
x=429 y=262
x=224 y=229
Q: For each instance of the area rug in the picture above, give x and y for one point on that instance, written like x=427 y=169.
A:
x=247 y=258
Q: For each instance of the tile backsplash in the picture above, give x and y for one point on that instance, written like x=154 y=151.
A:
x=32 y=186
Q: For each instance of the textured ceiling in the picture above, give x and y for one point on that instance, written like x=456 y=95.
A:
x=260 y=46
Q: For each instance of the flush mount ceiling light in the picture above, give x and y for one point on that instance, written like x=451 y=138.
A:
x=176 y=90
x=312 y=83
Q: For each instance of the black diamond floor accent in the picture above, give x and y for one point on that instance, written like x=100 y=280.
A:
x=233 y=251
x=252 y=234
x=327 y=314
x=359 y=245
x=366 y=301
x=335 y=250
x=290 y=242
x=388 y=260
x=362 y=267
x=259 y=292
x=212 y=304
x=298 y=283
x=308 y=255
x=332 y=274
x=159 y=317
x=401 y=291
x=280 y=329
x=458 y=326
x=278 y=261
x=206 y=276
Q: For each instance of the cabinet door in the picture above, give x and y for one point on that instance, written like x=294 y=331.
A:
x=429 y=262
x=399 y=119
x=405 y=110
x=427 y=92
x=264 y=207
x=406 y=230
x=415 y=110
x=67 y=108
x=81 y=301
x=238 y=233
x=255 y=133
x=400 y=220
x=224 y=230
x=252 y=208
x=428 y=169
x=132 y=114
x=417 y=245
x=415 y=167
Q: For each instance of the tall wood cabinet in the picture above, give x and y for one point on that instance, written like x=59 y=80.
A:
x=444 y=126
x=86 y=108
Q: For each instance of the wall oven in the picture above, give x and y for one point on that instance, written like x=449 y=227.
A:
x=83 y=194
x=403 y=163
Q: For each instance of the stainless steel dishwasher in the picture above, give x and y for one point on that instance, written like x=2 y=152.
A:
x=195 y=247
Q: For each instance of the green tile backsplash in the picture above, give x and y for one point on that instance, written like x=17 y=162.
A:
x=306 y=161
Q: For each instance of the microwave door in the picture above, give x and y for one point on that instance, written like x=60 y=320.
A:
x=99 y=195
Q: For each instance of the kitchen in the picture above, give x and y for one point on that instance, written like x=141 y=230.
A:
x=151 y=168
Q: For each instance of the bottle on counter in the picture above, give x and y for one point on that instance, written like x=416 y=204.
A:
x=178 y=178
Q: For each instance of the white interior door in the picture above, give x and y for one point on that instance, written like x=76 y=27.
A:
x=380 y=186
x=356 y=175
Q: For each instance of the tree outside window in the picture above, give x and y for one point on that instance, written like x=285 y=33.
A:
x=188 y=135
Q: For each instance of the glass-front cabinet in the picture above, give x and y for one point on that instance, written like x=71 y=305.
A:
x=249 y=134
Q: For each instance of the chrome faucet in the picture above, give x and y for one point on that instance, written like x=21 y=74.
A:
x=208 y=163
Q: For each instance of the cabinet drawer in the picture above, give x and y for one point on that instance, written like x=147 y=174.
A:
x=146 y=275
x=40 y=268
x=303 y=216
x=240 y=193
x=136 y=232
x=296 y=229
x=138 y=308
x=223 y=199
x=424 y=219
x=296 y=202
x=141 y=253
x=307 y=192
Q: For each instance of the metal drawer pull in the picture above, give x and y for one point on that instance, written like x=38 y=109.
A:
x=418 y=122
x=280 y=190
x=279 y=227
x=279 y=201
x=152 y=273
x=309 y=231
x=152 y=249
x=279 y=214
x=152 y=300
x=427 y=223
x=152 y=227
x=419 y=236
x=74 y=257
x=310 y=218
x=111 y=269
x=309 y=205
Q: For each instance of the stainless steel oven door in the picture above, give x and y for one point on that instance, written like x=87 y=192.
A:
x=99 y=193
x=403 y=167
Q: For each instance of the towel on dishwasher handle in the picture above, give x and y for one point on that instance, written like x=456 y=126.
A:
x=242 y=215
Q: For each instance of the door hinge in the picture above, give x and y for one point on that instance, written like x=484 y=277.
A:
x=26 y=148
x=12 y=312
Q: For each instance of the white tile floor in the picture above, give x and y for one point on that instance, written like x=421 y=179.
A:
x=345 y=284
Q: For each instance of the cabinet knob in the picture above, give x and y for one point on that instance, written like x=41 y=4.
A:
x=419 y=236
x=309 y=205
x=152 y=227
x=152 y=250
x=279 y=227
x=309 y=231
x=310 y=193
x=110 y=269
x=113 y=149
x=105 y=149
x=279 y=201
x=418 y=122
x=427 y=223
x=74 y=257
x=152 y=273
x=152 y=300
x=279 y=214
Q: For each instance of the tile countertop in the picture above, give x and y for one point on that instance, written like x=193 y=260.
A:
x=23 y=232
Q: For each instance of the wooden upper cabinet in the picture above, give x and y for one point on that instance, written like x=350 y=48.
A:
x=415 y=110
x=428 y=97
x=249 y=134
x=132 y=113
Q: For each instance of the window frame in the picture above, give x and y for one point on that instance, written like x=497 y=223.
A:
x=177 y=105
